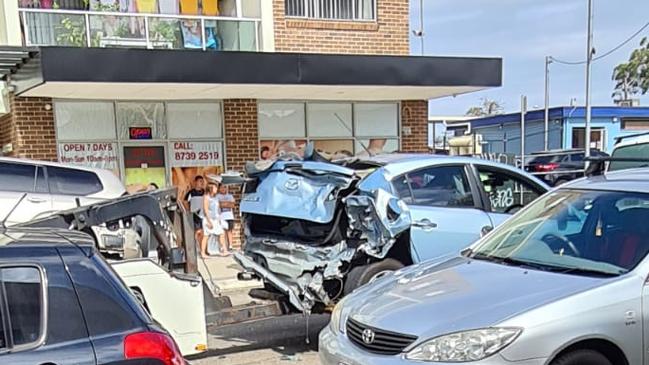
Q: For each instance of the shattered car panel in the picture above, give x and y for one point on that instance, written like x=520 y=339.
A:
x=306 y=222
x=301 y=190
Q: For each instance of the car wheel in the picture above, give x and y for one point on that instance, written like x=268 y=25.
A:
x=582 y=357
x=362 y=275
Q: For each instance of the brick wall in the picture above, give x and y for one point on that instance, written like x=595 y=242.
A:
x=241 y=142
x=414 y=116
x=388 y=35
x=30 y=129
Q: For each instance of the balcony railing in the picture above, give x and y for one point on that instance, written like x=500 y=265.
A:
x=47 y=27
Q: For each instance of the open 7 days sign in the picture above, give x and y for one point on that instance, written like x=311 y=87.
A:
x=101 y=154
x=189 y=154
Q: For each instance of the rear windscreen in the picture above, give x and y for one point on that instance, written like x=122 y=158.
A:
x=640 y=150
x=546 y=159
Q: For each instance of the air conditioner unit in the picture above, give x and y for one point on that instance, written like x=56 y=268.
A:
x=628 y=103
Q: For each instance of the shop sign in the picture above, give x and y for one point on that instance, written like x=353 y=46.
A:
x=185 y=154
x=99 y=154
x=140 y=133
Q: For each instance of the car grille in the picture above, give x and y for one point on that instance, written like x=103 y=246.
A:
x=384 y=342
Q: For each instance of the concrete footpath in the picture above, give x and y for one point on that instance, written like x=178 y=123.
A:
x=222 y=272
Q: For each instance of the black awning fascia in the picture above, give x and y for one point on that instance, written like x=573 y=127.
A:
x=65 y=64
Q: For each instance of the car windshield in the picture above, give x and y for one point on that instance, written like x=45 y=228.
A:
x=640 y=150
x=595 y=233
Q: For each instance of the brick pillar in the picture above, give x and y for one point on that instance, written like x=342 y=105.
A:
x=29 y=127
x=414 y=116
x=241 y=142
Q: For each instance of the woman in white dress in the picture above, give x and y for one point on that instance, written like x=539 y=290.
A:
x=212 y=221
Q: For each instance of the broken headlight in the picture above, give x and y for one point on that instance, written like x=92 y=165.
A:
x=464 y=346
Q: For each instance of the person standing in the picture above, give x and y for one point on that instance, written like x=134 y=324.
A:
x=212 y=221
x=194 y=204
x=226 y=201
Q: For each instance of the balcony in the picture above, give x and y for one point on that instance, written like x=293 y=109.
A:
x=88 y=28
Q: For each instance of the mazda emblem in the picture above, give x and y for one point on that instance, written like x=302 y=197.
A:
x=292 y=184
x=368 y=336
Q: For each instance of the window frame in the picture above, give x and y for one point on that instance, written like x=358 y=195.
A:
x=56 y=192
x=483 y=193
x=624 y=121
x=306 y=16
x=468 y=174
x=5 y=325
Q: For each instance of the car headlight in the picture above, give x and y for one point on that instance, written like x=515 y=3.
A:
x=464 y=346
x=336 y=322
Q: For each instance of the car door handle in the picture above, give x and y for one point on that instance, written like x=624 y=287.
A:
x=34 y=199
x=424 y=224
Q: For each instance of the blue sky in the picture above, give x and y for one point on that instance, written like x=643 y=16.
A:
x=523 y=32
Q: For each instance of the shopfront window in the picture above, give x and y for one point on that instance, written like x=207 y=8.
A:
x=335 y=128
x=143 y=142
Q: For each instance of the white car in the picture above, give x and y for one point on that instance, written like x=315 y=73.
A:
x=50 y=187
x=630 y=147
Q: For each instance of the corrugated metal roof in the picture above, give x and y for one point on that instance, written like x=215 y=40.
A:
x=13 y=58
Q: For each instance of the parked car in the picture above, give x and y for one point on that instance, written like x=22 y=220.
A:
x=316 y=230
x=563 y=282
x=34 y=189
x=63 y=304
x=51 y=187
x=633 y=146
x=559 y=166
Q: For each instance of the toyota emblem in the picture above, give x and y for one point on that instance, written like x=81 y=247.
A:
x=292 y=184
x=368 y=336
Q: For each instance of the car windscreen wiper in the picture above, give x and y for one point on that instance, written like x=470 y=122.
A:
x=587 y=272
x=507 y=261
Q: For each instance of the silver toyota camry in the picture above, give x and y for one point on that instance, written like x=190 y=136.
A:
x=562 y=282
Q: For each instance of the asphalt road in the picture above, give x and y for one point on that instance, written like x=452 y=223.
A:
x=273 y=341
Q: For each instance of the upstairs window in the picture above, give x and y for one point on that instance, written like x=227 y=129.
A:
x=332 y=9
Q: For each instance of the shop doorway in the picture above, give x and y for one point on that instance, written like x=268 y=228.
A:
x=144 y=165
x=597 y=138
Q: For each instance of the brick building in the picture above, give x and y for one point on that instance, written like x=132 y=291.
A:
x=150 y=95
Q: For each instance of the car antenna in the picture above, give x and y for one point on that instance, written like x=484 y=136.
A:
x=352 y=133
x=3 y=222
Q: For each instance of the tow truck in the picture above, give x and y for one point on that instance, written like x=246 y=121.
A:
x=174 y=286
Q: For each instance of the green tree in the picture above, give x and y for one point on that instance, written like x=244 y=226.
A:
x=486 y=108
x=632 y=77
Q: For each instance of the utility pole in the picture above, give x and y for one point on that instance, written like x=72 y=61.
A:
x=523 y=112
x=589 y=60
x=421 y=25
x=546 y=137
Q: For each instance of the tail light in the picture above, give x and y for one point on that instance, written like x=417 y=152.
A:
x=547 y=167
x=152 y=345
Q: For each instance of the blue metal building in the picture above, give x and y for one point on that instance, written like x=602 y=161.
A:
x=501 y=133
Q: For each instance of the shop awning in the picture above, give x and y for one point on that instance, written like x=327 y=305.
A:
x=13 y=58
x=100 y=73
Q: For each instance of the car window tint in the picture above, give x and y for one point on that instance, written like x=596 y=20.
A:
x=17 y=177
x=41 y=182
x=506 y=192
x=72 y=182
x=634 y=151
x=401 y=188
x=443 y=186
x=578 y=157
x=23 y=292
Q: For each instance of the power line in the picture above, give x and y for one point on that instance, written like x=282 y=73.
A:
x=613 y=50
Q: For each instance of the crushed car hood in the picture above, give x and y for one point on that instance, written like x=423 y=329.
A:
x=458 y=294
x=304 y=190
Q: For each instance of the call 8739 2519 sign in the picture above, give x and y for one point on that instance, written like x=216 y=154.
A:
x=190 y=159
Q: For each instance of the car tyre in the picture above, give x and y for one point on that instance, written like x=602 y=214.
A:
x=582 y=357
x=362 y=275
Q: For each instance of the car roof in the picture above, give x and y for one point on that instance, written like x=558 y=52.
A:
x=631 y=140
x=631 y=180
x=397 y=164
x=44 y=237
